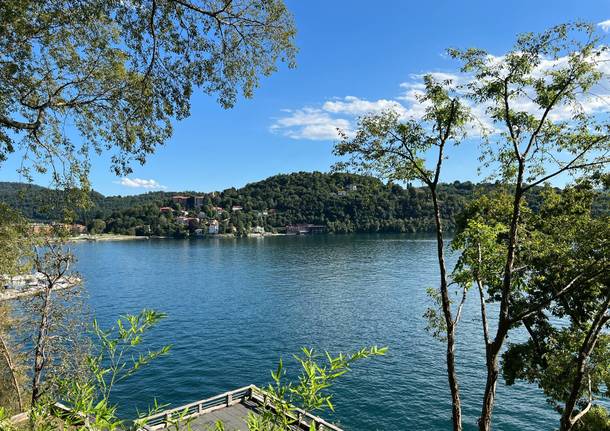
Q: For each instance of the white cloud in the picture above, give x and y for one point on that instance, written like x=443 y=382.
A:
x=321 y=122
x=140 y=183
x=354 y=106
x=311 y=124
x=605 y=25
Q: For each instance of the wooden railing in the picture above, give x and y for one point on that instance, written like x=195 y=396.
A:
x=161 y=420
x=302 y=418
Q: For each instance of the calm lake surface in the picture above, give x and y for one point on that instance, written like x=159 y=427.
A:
x=235 y=306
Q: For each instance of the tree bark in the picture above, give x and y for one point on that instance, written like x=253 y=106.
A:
x=446 y=305
x=492 y=350
x=41 y=341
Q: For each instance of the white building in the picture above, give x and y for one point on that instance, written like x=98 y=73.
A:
x=258 y=229
x=213 y=228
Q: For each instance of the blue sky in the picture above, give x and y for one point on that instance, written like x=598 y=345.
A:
x=354 y=55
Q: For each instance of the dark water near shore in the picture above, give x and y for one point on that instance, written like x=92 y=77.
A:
x=235 y=306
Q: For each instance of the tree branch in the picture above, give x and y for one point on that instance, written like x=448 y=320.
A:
x=538 y=307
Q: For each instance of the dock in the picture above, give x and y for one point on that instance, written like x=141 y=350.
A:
x=232 y=409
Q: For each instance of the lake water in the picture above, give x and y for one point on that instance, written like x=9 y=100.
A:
x=235 y=306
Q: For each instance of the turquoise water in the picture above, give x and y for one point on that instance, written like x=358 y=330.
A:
x=235 y=306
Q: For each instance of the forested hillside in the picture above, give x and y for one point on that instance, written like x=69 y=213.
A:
x=339 y=201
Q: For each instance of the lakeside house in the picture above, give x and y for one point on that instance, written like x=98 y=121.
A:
x=191 y=222
x=214 y=227
x=236 y=208
x=304 y=229
x=258 y=229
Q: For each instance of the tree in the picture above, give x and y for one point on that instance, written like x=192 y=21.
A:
x=97 y=226
x=116 y=354
x=570 y=362
x=14 y=253
x=394 y=149
x=556 y=137
x=54 y=264
x=119 y=72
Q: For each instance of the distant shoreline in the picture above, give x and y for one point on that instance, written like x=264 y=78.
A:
x=119 y=237
x=106 y=237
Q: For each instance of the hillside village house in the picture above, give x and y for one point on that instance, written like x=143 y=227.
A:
x=182 y=200
x=191 y=222
x=189 y=201
x=213 y=228
x=198 y=201
x=236 y=208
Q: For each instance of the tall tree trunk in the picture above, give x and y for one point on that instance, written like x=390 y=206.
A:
x=446 y=305
x=492 y=350
x=492 y=354
x=41 y=341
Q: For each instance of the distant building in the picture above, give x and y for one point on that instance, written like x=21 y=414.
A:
x=191 y=222
x=304 y=229
x=41 y=228
x=352 y=187
x=199 y=232
x=213 y=228
x=236 y=208
x=257 y=229
x=342 y=193
x=78 y=229
x=218 y=209
x=194 y=202
x=166 y=210
x=182 y=200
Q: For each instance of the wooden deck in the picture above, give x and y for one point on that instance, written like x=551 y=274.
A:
x=233 y=418
x=231 y=408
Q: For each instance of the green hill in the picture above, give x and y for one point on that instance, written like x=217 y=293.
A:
x=339 y=201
